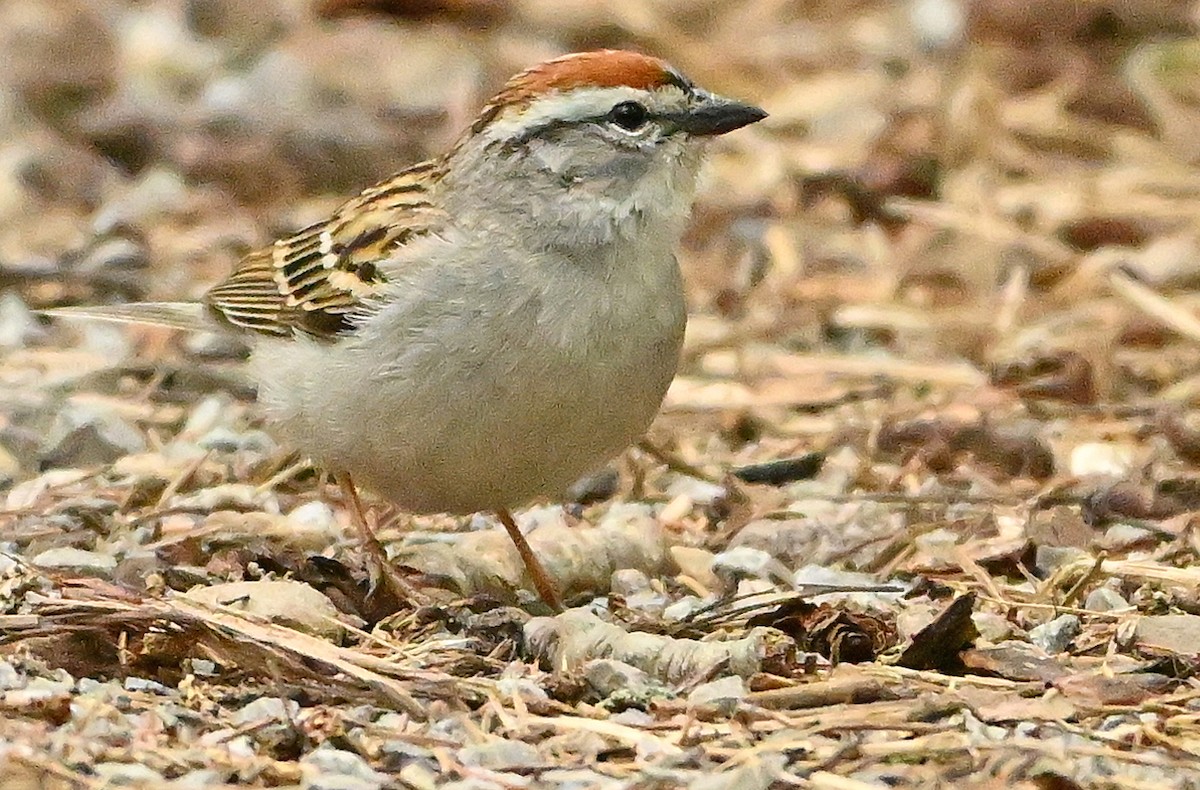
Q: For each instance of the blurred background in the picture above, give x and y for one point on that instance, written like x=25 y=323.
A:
x=964 y=205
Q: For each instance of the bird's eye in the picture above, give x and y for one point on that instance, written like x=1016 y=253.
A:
x=629 y=115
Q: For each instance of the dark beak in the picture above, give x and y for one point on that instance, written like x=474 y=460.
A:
x=715 y=115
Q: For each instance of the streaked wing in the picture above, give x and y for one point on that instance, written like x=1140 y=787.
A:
x=317 y=280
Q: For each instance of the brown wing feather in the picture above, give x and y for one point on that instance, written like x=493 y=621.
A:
x=318 y=279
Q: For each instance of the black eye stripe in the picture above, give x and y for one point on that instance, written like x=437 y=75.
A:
x=549 y=126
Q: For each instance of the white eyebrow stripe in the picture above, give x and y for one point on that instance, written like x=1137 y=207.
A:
x=573 y=105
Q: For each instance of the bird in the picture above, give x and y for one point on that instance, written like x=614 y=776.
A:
x=485 y=327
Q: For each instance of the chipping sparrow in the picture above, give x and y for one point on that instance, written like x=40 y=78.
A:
x=485 y=327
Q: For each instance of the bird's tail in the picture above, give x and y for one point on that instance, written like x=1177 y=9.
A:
x=190 y=316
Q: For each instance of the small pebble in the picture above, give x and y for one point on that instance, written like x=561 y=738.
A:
x=700 y=492
x=647 y=601
x=580 y=779
x=239 y=747
x=202 y=779
x=418 y=776
x=228 y=440
x=143 y=684
x=1124 y=536
x=399 y=753
x=627 y=513
x=749 y=587
x=683 y=608
x=1048 y=559
x=314 y=516
x=86 y=436
x=286 y=602
x=127 y=775
x=743 y=562
x=814 y=577
x=1174 y=633
x=725 y=693
x=596 y=487
x=116 y=263
x=266 y=709
x=25 y=494
x=473 y=784
x=1055 y=636
x=543 y=516
x=228 y=496
x=633 y=718
x=523 y=689
x=819 y=574
x=1105 y=599
x=791 y=541
x=500 y=755
x=10 y=467
x=18 y=326
x=339 y=782
x=696 y=563
x=10 y=678
x=979 y=732
x=93 y=687
x=629 y=581
x=38 y=689
x=677 y=509
x=1102 y=459
x=105 y=339
x=940 y=544
x=212 y=412
x=939 y=24
x=608 y=676
x=202 y=667
x=992 y=627
x=156 y=192
x=326 y=768
x=71 y=557
x=758 y=773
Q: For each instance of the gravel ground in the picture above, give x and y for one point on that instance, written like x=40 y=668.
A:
x=920 y=508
